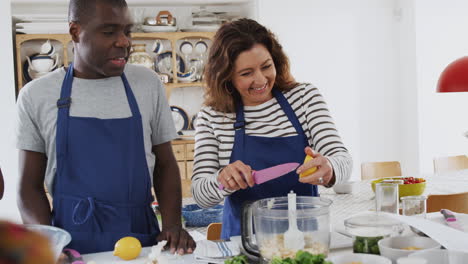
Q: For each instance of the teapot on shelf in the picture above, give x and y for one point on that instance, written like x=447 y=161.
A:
x=45 y=61
x=139 y=56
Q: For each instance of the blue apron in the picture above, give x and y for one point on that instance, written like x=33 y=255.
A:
x=261 y=153
x=102 y=188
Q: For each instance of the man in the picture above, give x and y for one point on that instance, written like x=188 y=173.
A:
x=95 y=132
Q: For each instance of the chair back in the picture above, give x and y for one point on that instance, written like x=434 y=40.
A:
x=457 y=202
x=452 y=163
x=375 y=170
x=213 y=231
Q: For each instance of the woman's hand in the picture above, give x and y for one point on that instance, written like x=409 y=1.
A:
x=236 y=175
x=324 y=173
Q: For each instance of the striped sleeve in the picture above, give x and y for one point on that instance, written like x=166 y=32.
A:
x=206 y=163
x=323 y=135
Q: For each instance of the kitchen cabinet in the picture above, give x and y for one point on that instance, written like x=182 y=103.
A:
x=183 y=152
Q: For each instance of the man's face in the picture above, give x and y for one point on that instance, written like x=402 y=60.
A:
x=103 y=43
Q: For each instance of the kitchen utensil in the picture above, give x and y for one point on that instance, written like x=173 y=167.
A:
x=450 y=219
x=293 y=238
x=73 y=256
x=271 y=173
x=269 y=218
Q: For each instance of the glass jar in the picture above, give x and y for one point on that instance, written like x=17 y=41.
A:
x=414 y=206
x=386 y=197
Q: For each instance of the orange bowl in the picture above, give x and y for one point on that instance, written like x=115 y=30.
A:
x=404 y=189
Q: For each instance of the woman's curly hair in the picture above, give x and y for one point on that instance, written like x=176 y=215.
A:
x=230 y=40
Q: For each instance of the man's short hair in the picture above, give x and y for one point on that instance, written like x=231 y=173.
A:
x=82 y=10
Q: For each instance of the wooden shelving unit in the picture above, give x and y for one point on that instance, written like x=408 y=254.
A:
x=65 y=39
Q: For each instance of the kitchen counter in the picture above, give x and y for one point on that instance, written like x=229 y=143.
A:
x=343 y=206
x=109 y=258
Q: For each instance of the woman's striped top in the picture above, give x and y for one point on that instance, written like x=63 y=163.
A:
x=214 y=138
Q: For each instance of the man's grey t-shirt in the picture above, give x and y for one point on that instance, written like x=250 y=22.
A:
x=98 y=98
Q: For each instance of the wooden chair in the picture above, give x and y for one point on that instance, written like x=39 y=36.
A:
x=214 y=231
x=452 y=163
x=457 y=202
x=375 y=170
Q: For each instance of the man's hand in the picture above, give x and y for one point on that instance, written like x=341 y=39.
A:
x=178 y=240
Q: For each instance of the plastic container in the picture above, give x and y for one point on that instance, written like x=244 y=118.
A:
x=196 y=216
x=58 y=237
x=370 y=227
x=269 y=218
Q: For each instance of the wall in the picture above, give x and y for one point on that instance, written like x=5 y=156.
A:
x=8 y=157
x=347 y=49
x=407 y=83
x=441 y=37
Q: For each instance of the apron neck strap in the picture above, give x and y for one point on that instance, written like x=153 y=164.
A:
x=288 y=110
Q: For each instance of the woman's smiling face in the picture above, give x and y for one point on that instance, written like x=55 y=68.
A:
x=254 y=75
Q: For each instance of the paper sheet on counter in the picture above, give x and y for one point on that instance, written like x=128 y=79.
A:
x=448 y=237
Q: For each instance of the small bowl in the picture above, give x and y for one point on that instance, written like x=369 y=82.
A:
x=58 y=237
x=196 y=216
x=360 y=258
x=442 y=256
x=393 y=247
x=413 y=189
x=344 y=188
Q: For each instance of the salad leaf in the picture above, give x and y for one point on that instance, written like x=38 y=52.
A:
x=302 y=257
x=241 y=259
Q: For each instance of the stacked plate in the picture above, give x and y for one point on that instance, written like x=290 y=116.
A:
x=41 y=24
x=204 y=20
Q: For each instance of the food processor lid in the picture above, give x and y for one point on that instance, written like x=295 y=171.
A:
x=371 y=220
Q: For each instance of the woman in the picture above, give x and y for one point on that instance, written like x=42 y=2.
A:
x=256 y=116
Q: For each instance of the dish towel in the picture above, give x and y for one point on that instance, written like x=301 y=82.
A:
x=215 y=252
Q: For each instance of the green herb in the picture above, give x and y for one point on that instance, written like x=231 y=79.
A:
x=241 y=259
x=302 y=257
x=366 y=245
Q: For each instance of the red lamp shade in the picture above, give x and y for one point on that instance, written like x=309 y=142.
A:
x=455 y=77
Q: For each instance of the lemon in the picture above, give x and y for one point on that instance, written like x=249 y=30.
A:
x=127 y=248
x=309 y=171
